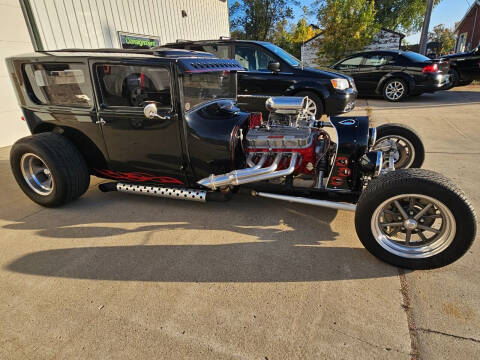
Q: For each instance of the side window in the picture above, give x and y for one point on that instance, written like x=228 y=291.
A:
x=351 y=63
x=131 y=85
x=60 y=84
x=379 y=60
x=253 y=58
x=220 y=51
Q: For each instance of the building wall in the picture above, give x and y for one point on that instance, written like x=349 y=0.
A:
x=14 y=39
x=473 y=35
x=383 y=40
x=95 y=23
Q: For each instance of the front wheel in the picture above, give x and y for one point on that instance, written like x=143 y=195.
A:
x=314 y=104
x=415 y=219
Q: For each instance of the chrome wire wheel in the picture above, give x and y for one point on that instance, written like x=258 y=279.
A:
x=36 y=173
x=404 y=155
x=311 y=107
x=413 y=226
x=394 y=90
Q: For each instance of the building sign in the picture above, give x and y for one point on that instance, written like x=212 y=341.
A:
x=134 y=41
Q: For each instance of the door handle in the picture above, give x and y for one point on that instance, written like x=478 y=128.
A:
x=100 y=121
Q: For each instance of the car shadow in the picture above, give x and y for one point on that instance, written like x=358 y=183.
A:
x=245 y=240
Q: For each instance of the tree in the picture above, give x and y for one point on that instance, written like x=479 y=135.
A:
x=401 y=15
x=444 y=36
x=347 y=26
x=256 y=19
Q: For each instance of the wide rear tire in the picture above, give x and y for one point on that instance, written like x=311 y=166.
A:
x=436 y=226
x=49 y=169
x=409 y=144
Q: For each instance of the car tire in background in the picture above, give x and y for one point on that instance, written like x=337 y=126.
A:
x=314 y=102
x=454 y=79
x=395 y=90
x=49 y=169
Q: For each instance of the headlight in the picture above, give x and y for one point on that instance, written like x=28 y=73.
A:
x=340 y=84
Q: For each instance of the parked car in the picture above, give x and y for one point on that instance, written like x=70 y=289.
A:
x=394 y=74
x=464 y=67
x=165 y=124
x=271 y=71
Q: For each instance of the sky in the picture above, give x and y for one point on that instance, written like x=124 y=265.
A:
x=447 y=12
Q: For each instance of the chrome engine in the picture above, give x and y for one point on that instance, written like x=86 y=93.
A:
x=287 y=143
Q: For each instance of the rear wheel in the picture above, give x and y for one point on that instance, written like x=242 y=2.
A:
x=49 y=169
x=314 y=104
x=454 y=79
x=410 y=151
x=415 y=219
x=395 y=90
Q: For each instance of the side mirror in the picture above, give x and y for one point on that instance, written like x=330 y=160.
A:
x=151 y=112
x=274 y=66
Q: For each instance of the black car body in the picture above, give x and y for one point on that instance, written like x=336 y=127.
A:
x=374 y=73
x=464 y=67
x=271 y=71
x=164 y=123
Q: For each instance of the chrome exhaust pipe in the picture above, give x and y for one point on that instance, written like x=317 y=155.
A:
x=164 y=192
x=249 y=175
x=302 y=200
x=234 y=177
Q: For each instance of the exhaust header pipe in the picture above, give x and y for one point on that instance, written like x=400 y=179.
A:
x=252 y=174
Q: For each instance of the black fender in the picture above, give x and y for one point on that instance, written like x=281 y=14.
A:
x=352 y=144
x=318 y=89
x=399 y=75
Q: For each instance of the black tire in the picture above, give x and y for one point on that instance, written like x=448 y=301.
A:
x=66 y=165
x=423 y=182
x=406 y=132
x=389 y=82
x=454 y=79
x=316 y=99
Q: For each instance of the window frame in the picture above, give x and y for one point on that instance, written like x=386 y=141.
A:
x=125 y=108
x=363 y=57
x=32 y=96
x=379 y=54
x=265 y=50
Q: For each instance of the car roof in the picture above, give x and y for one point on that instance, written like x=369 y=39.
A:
x=112 y=52
x=214 y=41
x=378 y=51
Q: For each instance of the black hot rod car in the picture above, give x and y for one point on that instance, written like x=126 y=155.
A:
x=165 y=123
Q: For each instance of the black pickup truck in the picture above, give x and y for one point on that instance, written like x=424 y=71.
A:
x=464 y=67
x=164 y=123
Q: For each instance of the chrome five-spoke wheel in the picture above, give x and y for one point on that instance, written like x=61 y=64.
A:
x=36 y=173
x=310 y=108
x=413 y=226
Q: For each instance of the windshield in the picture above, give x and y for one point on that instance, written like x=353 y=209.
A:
x=289 y=59
x=204 y=87
x=416 y=57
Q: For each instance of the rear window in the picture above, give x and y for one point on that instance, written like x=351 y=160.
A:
x=415 y=57
x=60 y=84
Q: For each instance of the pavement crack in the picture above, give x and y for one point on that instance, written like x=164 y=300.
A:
x=447 y=334
x=412 y=329
x=386 y=348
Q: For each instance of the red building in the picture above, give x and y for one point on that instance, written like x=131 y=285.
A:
x=468 y=29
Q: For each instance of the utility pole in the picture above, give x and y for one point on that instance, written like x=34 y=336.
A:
x=426 y=25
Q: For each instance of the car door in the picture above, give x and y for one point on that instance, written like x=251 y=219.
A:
x=375 y=67
x=139 y=148
x=257 y=82
x=353 y=67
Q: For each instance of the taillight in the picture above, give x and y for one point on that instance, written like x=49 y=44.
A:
x=432 y=68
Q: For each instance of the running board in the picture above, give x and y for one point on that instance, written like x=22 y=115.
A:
x=302 y=200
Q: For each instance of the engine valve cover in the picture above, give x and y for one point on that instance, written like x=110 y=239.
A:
x=279 y=137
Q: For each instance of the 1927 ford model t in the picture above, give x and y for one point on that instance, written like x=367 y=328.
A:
x=165 y=123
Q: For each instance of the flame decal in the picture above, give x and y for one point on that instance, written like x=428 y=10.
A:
x=138 y=177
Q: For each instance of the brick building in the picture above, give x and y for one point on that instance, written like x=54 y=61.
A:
x=468 y=29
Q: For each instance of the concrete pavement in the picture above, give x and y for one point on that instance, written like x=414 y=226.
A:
x=121 y=276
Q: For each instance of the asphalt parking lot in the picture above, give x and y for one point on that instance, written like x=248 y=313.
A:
x=122 y=276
